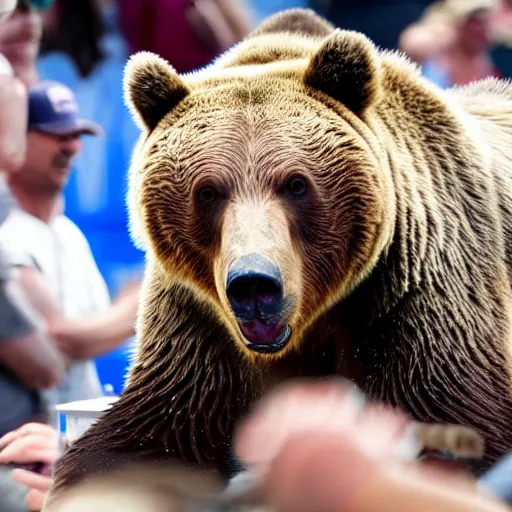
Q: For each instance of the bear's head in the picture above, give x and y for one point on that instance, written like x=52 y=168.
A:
x=257 y=181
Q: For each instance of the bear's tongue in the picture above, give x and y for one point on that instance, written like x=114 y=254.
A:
x=260 y=332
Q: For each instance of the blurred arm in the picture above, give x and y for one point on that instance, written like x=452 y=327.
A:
x=24 y=347
x=237 y=16
x=83 y=338
x=228 y=20
x=13 y=121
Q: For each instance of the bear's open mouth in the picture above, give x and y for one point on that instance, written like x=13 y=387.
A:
x=266 y=336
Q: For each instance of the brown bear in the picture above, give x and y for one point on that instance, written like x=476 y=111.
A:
x=311 y=206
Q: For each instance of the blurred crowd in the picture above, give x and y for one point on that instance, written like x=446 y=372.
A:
x=69 y=273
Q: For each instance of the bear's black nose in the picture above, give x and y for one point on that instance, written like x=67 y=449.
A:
x=254 y=287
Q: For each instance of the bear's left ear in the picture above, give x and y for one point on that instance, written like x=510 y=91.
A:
x=151 y=88
x=346 y=68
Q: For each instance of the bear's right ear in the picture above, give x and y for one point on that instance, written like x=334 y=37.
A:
x=152 y=88
x=346 y=68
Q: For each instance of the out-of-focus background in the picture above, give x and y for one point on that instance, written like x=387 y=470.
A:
x=86 y=43
x=83 y=45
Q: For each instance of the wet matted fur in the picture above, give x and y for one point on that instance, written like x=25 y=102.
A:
x=397 y=260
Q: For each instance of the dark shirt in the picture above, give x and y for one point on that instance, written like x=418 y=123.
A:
x=381 y=20
x=502 y=58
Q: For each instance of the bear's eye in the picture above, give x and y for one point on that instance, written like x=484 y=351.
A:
x=297 y=186
x=207 y=195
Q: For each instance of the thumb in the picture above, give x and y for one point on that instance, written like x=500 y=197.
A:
x=34 y=500
x=329 y=474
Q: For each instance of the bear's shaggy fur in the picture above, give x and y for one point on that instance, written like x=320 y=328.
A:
x=395 y=256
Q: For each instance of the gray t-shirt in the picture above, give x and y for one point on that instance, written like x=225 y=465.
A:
x=62 y=254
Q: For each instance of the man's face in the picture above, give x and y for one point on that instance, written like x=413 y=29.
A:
x=20 y=34
x=48 y=161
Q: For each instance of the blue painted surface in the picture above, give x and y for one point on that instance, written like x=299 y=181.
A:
x=113 y=367
x=264 y=8
x=435 y=74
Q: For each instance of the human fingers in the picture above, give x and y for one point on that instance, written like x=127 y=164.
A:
x=34 y=500
x=384 y=431
x=291 y=408
x=32 y=428
x=8 y=438
x=329 y=473
x=30 y=449
x=31 y=480
x=329 y=407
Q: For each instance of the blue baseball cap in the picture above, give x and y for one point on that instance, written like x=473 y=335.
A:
x=53 y=109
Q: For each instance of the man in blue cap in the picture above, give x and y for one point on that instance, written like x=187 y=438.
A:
x=53 y=259
x=53 y=110
x=54 y=139
x=48 y=249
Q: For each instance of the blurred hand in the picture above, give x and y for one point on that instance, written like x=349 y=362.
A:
x=13 y=123
x=38 y=486
x=422 y=42
x=442 y=35
x=31 y=443
x=127 y=297
x=323 y=449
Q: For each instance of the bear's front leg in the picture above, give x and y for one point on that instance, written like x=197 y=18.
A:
x=187 y=388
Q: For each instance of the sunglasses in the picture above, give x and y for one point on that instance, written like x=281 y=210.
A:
x=34 y=4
